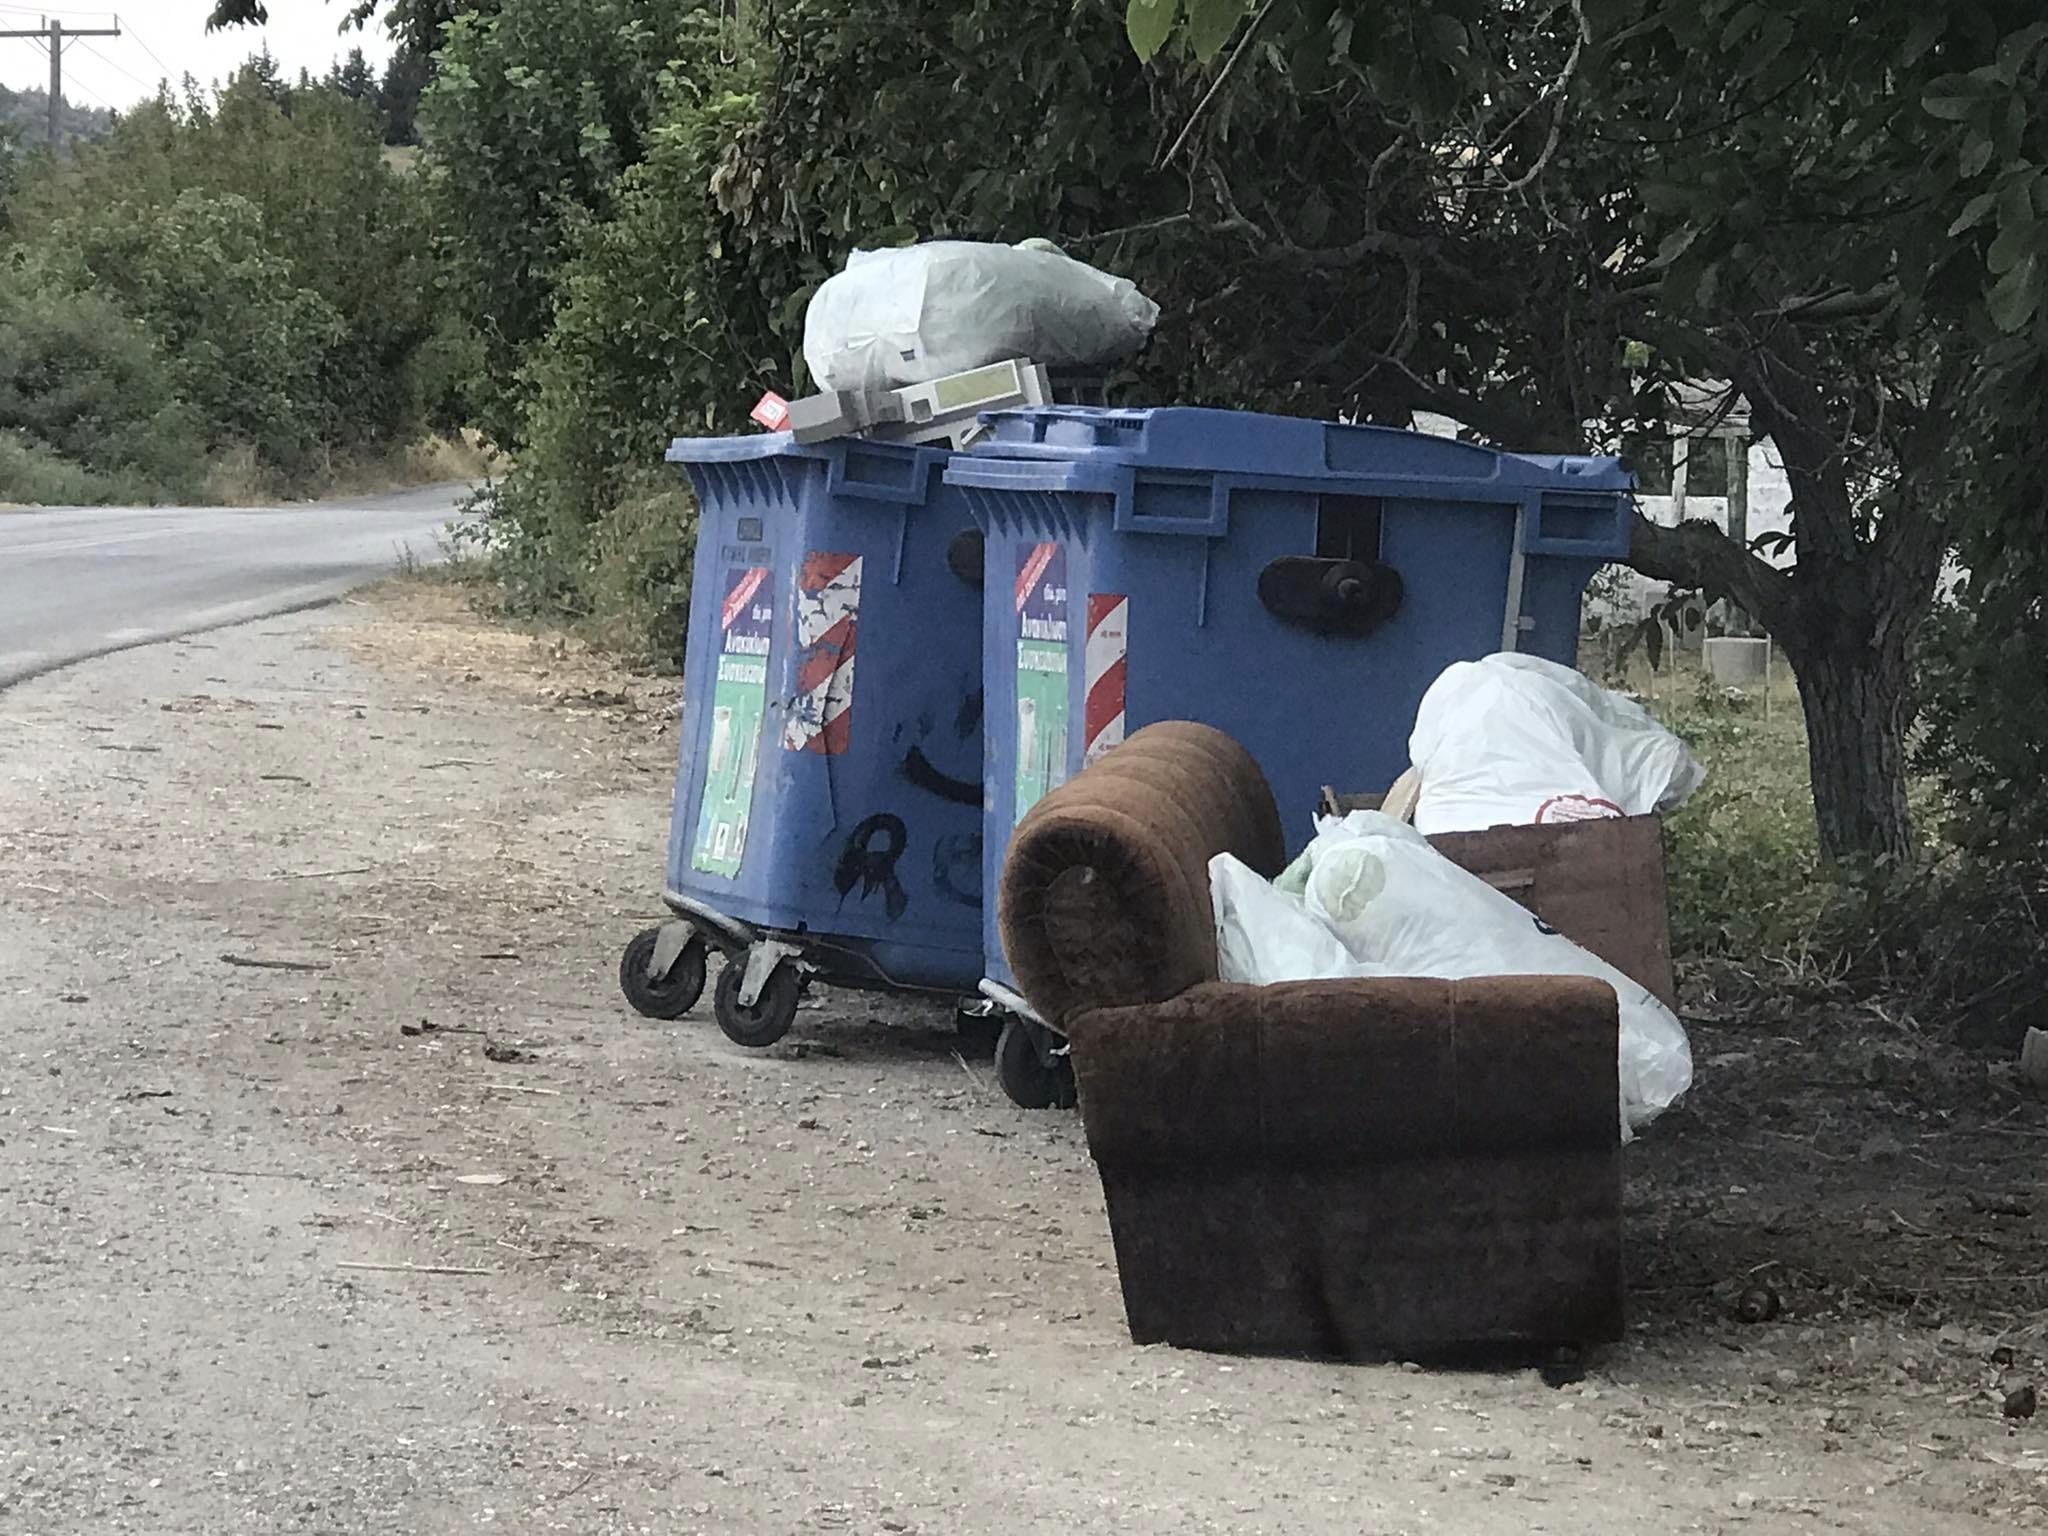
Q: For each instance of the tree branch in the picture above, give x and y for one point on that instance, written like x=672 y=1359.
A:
x=1561 y=90
x=1844 y=305
x=1699 y=555
x=1222 y=77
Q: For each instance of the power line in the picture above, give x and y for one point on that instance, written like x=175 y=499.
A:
x=147 y=85
x=136 y=37
x=80 y=85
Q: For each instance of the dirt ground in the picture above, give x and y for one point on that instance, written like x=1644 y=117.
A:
x=838 y=1285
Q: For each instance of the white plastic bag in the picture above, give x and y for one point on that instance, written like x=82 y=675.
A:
x=1404 y=909
x=920 y=312
x=1515 y=740
x=1264 y=935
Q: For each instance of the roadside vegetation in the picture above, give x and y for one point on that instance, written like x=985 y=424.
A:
x=227 y=296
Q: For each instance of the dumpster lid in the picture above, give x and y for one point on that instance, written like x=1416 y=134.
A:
x=749 y=446
x=1294 y=447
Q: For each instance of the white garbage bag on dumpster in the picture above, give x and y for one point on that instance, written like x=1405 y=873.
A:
x=1515 y=740
x=1404 y=909
x=920 y=312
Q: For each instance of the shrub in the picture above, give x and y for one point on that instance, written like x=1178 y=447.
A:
x=88 y=383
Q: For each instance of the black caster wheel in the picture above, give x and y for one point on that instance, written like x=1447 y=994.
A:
x=773 y=1011
x=1028 y=1077
x=670 y=996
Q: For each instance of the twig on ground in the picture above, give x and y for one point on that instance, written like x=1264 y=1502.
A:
x=416 y=1269
x=553 y=1093
x=574 y=1488
x=252 y=962
x=321 y=874
x=240 y=1173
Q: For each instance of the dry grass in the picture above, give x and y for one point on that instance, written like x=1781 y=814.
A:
x=235 y=479
x=430 y=627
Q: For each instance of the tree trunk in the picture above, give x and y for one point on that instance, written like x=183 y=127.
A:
x=1846 y=630
x=1855 y=697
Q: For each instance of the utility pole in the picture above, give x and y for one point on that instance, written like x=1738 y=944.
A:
x=52 y=35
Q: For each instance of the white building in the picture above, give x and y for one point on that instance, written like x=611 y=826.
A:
x=1688 y=479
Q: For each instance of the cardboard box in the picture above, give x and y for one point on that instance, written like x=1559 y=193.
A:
x=1599 y=883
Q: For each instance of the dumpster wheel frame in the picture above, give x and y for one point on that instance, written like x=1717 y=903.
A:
x=769 y=1017
x=678 y=990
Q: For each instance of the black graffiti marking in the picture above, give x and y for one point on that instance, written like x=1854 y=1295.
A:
x=872 y=868
x=956 y=868
x=921 y=771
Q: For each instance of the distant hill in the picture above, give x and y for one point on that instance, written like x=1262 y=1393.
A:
x=28 y=113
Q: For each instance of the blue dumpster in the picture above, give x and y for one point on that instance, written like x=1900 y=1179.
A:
x=1296 y=583
x=825 y=825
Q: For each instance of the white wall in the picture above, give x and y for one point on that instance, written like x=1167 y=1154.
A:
x=1626 y=595
x=1619 y=594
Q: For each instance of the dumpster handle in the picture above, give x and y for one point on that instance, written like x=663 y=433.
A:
x=1511 y=614
x=1330 y=597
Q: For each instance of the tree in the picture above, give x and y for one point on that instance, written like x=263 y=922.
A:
x=398 y=94
x=10 y=147
x=534 y=113
x=353 y=78
x=1770 y=196
x=283 y=272
x=417 y=24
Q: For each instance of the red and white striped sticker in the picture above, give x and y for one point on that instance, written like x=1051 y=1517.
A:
x=1108 y=647
x=827 y=617
x=742 y=594
x=1033 y=567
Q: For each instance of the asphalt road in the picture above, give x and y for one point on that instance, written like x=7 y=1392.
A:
x=77 y=582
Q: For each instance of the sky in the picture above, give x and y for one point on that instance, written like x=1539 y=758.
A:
x=169 y=38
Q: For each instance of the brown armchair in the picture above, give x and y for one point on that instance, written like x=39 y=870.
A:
x=1349 y=1168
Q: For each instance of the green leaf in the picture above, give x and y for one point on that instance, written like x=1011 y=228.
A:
x=1210 y=23
x=1675 y=245
x=1975 y=156
x=1973 y=213
x=2018 y=48
x=1149 y=23
x=1741 y=24
x=1926 y=29
x=2015 y=296
x=2015 y=200
x=1953 y=97
x=2016 y=242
